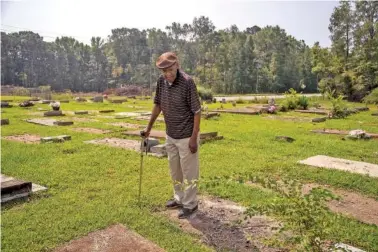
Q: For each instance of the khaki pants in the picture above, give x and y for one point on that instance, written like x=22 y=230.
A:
x=184 y=168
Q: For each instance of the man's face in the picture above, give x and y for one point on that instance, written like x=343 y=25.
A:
x=170 y=73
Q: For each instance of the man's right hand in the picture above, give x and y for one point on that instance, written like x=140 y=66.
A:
x=145 y=133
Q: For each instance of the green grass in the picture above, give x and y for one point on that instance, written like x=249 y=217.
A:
x=91 y=187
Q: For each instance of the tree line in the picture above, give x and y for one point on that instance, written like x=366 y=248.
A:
x=254 y=60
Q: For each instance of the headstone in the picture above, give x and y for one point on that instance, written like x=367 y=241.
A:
x=285 y=139
x=321 y=119
x=54 y=113
x=210 y=115
x=81 y=112
x=63 y=123
x=151 y=142
x=375 y=114
x=358 y=134
x=4 y=121
x=14 y=188
x=107 y=111
x=208 y=135
x=98 y=99
x=271 y=101
x=224 y=101
x=55 y=139
x=342 y=164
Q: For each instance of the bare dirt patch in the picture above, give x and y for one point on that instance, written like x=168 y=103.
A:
x=118 y=142
x=352 y=204
x=127 y=125
x=115 y=238
x=26 y=138
x=91 y=130
x=221 y=224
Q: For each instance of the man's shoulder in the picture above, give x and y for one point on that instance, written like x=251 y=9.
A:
x=186 y=77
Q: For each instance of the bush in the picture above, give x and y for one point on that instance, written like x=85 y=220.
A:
x=372 y=98
x=339 y=108
x=205 y=94
x=303 y=102
x=240 y=101
x=291 y=99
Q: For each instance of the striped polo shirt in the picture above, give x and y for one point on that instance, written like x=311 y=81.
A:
x=179 y=102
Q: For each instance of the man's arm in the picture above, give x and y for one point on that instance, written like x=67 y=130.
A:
x=196 y=126
x=155 y=113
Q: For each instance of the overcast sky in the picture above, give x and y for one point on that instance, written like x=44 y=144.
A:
x=307 y=20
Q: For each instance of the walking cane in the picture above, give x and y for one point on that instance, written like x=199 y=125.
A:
x=143 y=144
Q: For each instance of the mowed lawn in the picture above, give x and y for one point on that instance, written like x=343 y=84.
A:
x=93 y=186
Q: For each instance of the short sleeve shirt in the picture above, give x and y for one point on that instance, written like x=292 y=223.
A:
x=179 y=103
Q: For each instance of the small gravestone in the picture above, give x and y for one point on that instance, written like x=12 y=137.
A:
x=208 y=135
x=42 y=109
x=285 y=139
x=4 y=121
x=107 y=111
x=151 y=143
x=64 y=101
x=321 y=119
x=224 y=101
x=210 y=115
x=55 y=139
x=14 y=188
x=63 y=123
x=375 y=114
x=5 y=105
x=53 y=113
x=98 y=99
x=81 y=112
x=271 y=102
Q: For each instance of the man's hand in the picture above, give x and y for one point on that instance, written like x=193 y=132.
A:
x=146 y=132
x=193 y=145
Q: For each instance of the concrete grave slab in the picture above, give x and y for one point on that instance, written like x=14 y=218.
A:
x=83 y=119
x=91 y=130
x=159 y=150
x=374 y=114
x=340 y=247
x=210 y=115
x=342 y=164
x=42 y=121
x=55 y=139
x=26 y=138
x=12 y=188
x=320 y=119
x=116 y=238
x=288 y=118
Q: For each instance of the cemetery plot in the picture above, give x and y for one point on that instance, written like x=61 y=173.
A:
x=12 y=188
x=26 y=138
x=288 y=118
x=118 y=142
x=55 y=139
x=4 y=121
x=222 y=225
x=342 y=164
x=83 y=119
x=48 y=122
x=91 y=130
x=350 y=203
x=113 y=238
x=313 y=111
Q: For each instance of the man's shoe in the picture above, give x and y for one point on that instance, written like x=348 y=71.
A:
x=172 y=204
x=186 y=212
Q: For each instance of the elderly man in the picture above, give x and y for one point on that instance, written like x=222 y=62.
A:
x=177 y=97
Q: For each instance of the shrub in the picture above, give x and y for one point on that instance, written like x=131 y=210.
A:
x=339 y=108
x=303 y=102
x=240 y=101
x=205 y=94
x=372 y=98
x=291 y=99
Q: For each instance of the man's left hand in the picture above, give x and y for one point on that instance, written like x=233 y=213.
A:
x=193 y=145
